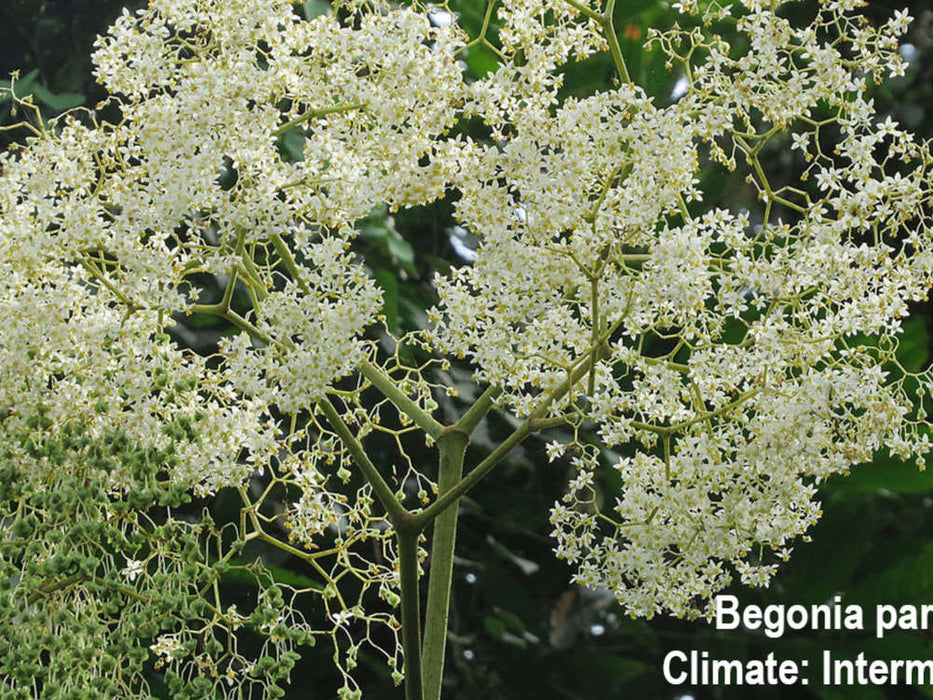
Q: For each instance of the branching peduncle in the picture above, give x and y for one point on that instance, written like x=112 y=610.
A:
x=397 y=513
x=400 y=400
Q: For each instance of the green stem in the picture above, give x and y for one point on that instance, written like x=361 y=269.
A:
x=411 y=611
x=663 y=430
x=281 y=248
x=614 y=48
x=400 y=399
x=231 y=283
x=248 y=327
x=254 y=281
x=452 y=446
x=371 y=372
x=99 y=275
x=396 y=511
x=469 y=420
x=314 y=113
x=580 y=7
x=234 y=318
x=53 y=587
x=594 y=322
x=531 y=424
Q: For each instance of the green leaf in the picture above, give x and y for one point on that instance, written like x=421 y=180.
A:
x=494 y=626
x=527 y=566
x=400 y=249
x=913 y=344
x=481 y=61
x=374 y=225
x=885 y=474
x=27 y=85
x=839 y=546
x=379 y=228
x=512 y=621
x=909 y=580
x=292 y=145
x=508 y=627
x=437 y=264
x=605 y=670
x=70 y=77
x=57 y=102
x=315 y=8
x=630 y=10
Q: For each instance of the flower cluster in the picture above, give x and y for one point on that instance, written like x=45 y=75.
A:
x=723 y=352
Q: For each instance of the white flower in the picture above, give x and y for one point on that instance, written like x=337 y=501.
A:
x=168 y=647
x=133 y=569
x=555 y=450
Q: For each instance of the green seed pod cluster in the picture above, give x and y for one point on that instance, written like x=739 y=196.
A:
x=110 y=591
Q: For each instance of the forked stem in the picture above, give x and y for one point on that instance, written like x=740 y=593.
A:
x=452 y=446
x=411 y=611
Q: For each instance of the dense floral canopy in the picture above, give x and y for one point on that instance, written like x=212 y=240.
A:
x=740 y=357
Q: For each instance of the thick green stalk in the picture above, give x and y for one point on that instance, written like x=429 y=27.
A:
x=285 y=255
x=613 y=39
x=407 y=533
x=531 y=424
x=536 y=420
x=469 y=420
x=400 y=400
x=411 y=610
x=451 y=446
x=397 y=513
x=315 y=113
